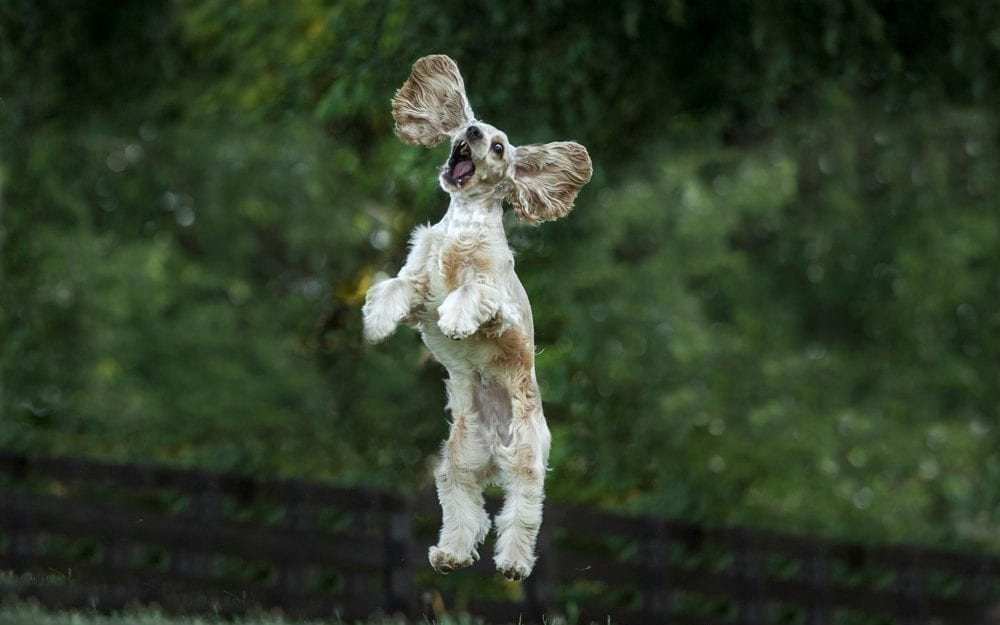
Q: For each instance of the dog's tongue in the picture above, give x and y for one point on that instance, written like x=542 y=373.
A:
x=461 y=168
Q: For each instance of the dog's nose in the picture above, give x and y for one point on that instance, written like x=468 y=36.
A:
x=474 y=133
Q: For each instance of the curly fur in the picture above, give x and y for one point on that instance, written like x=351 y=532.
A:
x=547 y=179
x=432 y=103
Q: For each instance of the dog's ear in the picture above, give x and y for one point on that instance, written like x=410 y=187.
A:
x=547 y=178
x=431 y=104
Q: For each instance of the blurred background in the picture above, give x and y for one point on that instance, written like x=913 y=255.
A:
x=776 y=303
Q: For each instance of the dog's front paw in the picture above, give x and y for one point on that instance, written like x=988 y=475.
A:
x=386 y=304
x=457 y=328
x=513 y=570
x=508 y=316
x=378 y=327
x=457 y=319
x=445 y=562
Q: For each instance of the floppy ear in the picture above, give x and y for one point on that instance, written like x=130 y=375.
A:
x=547 y=178
x=431 y=104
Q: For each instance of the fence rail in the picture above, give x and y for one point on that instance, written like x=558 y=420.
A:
x=96 y=534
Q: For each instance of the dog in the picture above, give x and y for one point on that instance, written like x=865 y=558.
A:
x=459 y=289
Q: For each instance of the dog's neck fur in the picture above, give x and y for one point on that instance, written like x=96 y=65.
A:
x=470 y=213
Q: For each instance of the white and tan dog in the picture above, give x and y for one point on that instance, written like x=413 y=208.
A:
x=458 y=287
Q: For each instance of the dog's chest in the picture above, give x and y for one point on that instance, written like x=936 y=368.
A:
x=464 y=252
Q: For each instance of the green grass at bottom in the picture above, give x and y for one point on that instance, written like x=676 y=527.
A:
x=30 y=613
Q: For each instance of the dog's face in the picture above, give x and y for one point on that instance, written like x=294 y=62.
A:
x=481 y=159
x=540 y=181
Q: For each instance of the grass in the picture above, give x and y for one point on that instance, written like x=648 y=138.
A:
x=31 y=613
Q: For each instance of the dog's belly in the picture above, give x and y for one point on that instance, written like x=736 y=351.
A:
x=469 y=355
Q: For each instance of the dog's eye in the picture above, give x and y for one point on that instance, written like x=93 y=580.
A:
x=498 y=148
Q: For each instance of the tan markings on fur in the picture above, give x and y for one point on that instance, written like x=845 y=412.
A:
x=431 y=103
x=421 y=282
x=457 y=438
x=451 y=267
x=529 y=394
x=547 y=178
x=524 y=463
x=457 y=441
x=462 y=262
x=514 y=353
x=420 y=285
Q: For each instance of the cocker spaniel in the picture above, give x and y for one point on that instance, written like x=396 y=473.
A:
x=459 y=289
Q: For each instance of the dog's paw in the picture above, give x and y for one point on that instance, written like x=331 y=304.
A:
x=378 y=327
x=455 y=322
x=445 y=562
x=386 y=304
x=513 y=570
x=507 y=316
x=456 y=329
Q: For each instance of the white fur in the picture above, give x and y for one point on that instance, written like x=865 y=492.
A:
x=387 y=304
x=459 y=288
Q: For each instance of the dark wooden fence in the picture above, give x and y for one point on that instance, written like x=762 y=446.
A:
x=81 y=533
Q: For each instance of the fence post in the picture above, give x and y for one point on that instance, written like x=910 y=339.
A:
x=297 y=518
x=194 y=562
x=750 y=611
x=981 y=587
x=118 y=554
x=118 y=551
x=656 y=598
x=23 y=541
x=909 y=585
x=539 y=586
x=398 y=574
x=819 y=580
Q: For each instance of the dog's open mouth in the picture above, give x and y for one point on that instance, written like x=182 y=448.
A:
x=460 y=165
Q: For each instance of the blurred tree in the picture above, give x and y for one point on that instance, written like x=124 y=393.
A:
x=776 y=302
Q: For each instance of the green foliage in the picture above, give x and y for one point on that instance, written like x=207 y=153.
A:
x=777 y=317
x=776 y=302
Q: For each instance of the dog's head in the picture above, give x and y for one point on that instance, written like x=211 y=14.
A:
x=540 y=181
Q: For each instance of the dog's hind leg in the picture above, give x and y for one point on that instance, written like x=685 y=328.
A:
x=522 y=468
x=464 y=467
